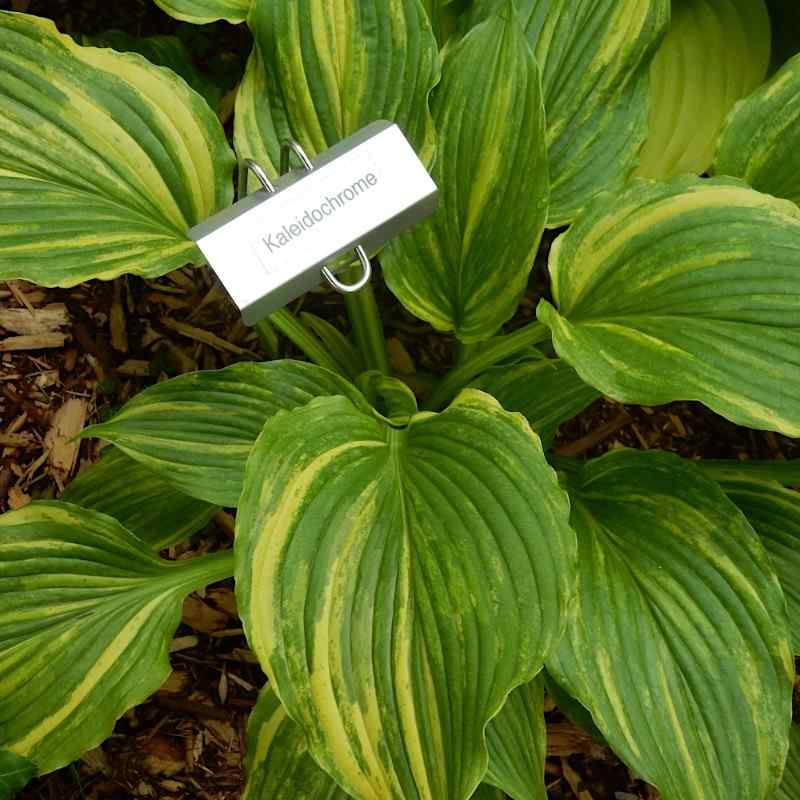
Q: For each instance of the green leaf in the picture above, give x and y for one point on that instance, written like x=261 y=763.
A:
x=321 y=70
x=679 y=646
x=685 y=290
x=517 y=742
x=774 y=513
x=443 y=15
x=594 y=57
x=105 y=160
x=467 y=267
x=715 y=53
x=278 y=764
x=790 y=785
x=15 y=772
x=202 y=11
x=761 y=139
x=547 y=391
x=88 y=609
x=196 y=431
x=163 y=51
x=784 y=472
x=337 y=344
x=487 y=792
x=397 y=583
x=140 y=499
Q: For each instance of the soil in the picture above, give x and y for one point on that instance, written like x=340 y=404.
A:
x=94 y=346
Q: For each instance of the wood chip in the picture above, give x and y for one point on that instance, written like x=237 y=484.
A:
x=134 y=368
x=575 y=781
x=39 y=320
x=202 y=617
x=17 y=498
x=16 y=439
x=41 y=341
x=119 y=333
x=596 y=436
x=60 y=442
x=183 y=643
x=206 y=337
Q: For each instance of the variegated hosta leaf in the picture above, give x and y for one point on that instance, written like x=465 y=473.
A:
x=715 y=52
x=517 y=742
x=680 y=644
x=790 y=785
x=279 y=766
x=774 y=513
x=466 y=268
x=761 y=139
x=87 y=612
x=105 y=160
x=202 y=11
x=443 y=15
x=321 y=70
x=594 y=58
x=140 y=499
x=396 y=583
x=164 y=51
x=196 y=431
x=547 y=391
x=685 y=290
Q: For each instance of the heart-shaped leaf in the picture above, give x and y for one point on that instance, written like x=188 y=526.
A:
x=140 y=499
x=196 y=431
x=517 y=742
x=680 y=644
x=396 y=583
x=320 y=71
x=466 y=268
x=774 y=513
x=202 y=11
x=105 y=160
x=685 y=290
x=761 y=139
x=594 y=57
x=715 y=53
x=89 y=610
x=547 y=391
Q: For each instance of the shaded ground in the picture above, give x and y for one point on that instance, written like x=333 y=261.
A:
x=85 y=351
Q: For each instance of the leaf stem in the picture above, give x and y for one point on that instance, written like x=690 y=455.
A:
x=201 y=571
x=294 y=330
x=368 y=335
x=487 y=355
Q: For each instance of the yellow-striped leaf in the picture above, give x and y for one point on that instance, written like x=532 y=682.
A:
x=517 y=741
x=594 y=57
x=278 y=764
x=761 y=139
x=715 y=52
x=140 y=499
x=396 y=583
x=196 y=431
x=87 y=612
x=685 y=290
x=466 y=268
x=547 y=391
x=321 y=70
x=790 y=785
x=774 y=513
x=680 y=644
x=202 y=11
x=105 y=160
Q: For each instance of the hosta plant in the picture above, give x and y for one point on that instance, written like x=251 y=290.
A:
x=411 y=571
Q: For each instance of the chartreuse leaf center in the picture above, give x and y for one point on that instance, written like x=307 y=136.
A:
x=396 y=584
